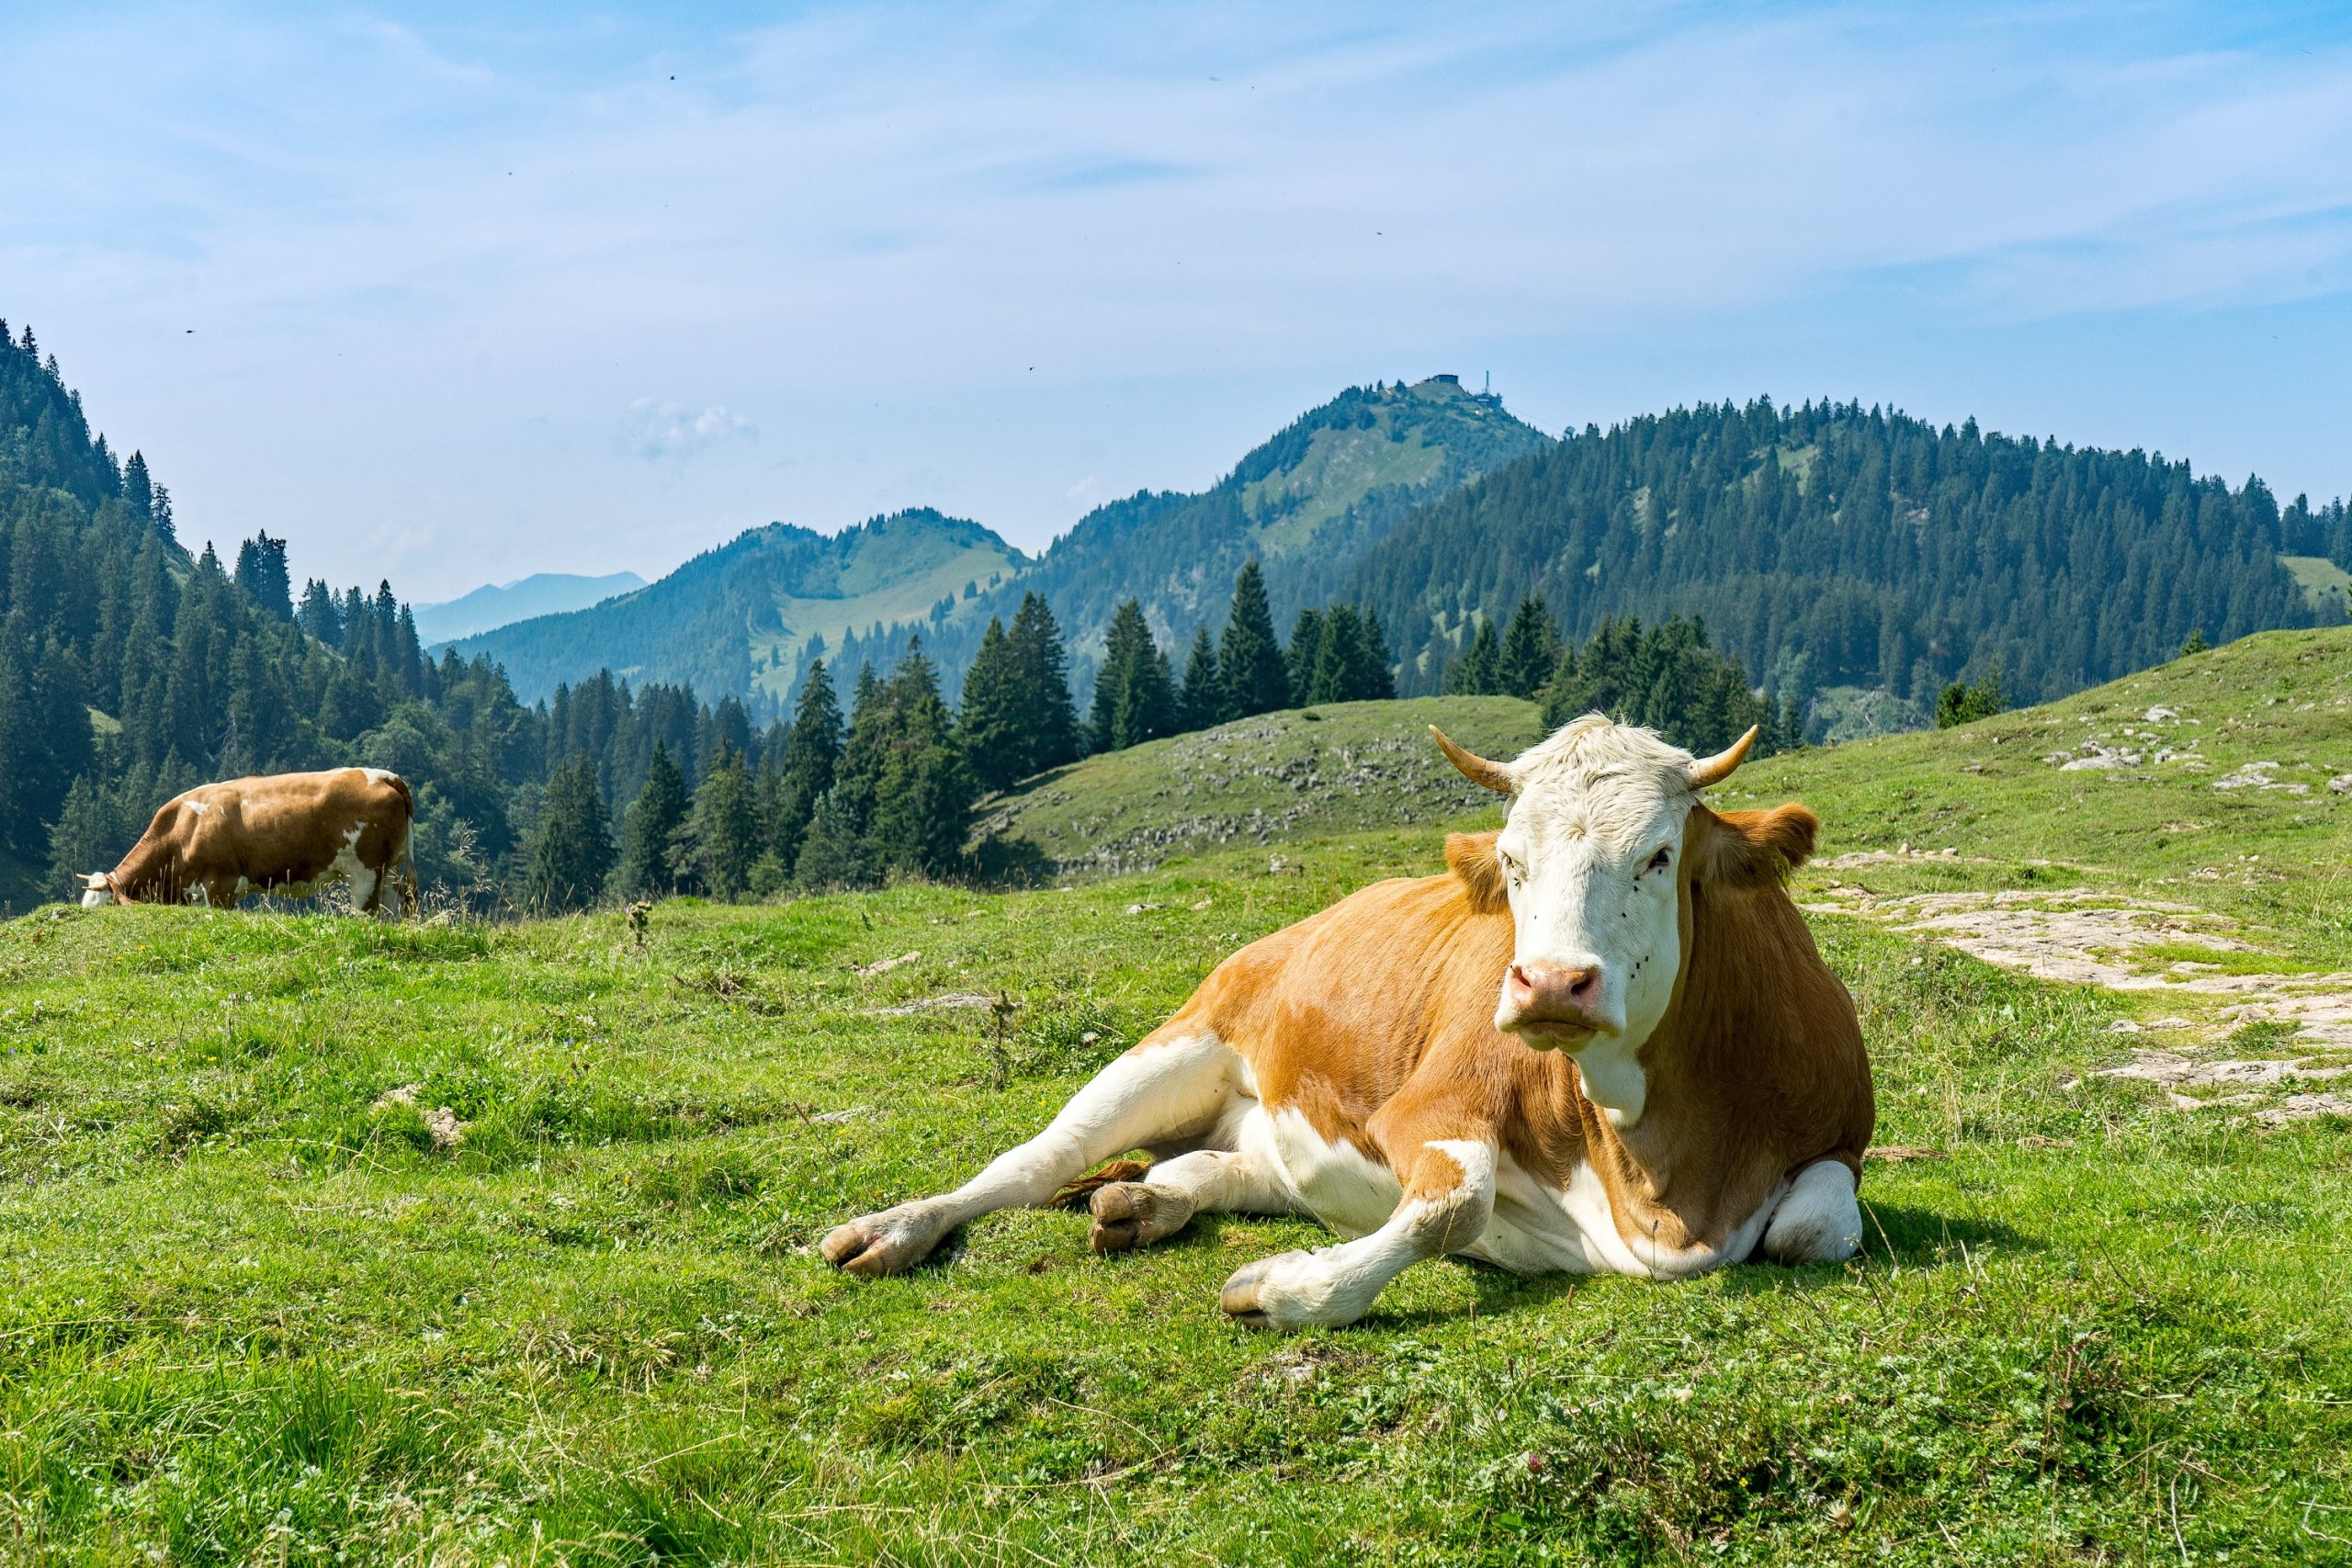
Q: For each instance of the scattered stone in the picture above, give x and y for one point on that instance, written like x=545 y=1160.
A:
x=1900 y=1154
x=447 y=1130
x=1203 y=905
x=2340 y=785
x=948 y=1002
x=835 y=1117
x=1141 y=909
x=2123 y=1026
x=404 y=1095
x=2158 y=713
x=2176 y=1071
x=2304 y=1108
x=884 y=965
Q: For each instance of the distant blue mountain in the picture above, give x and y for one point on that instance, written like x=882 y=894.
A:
x=542 y=593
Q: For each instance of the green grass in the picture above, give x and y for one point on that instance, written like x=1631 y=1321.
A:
x=246 y=1315
x=2326 y=586
x=253 y=1310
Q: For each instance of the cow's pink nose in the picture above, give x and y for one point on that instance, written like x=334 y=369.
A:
x=1540 y=991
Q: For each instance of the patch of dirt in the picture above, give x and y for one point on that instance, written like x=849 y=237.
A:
x=2095 y=939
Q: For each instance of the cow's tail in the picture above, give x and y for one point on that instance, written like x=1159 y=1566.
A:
x=405 y=860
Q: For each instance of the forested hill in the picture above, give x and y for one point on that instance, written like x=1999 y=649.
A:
x=1306 y=503
x=1828 y=545
x=742 y=620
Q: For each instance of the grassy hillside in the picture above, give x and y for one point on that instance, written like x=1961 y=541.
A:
x=261 y=1299
x=735 y=621
x=1276 y=778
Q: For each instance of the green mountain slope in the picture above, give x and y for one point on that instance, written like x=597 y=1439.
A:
x=494 y=606
x=1277 y=778
x=1832 y=545
x=1308 y=502
x=740 y=620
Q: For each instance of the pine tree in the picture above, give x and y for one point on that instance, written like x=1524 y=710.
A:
x=722 y=831
x=1531 y=649
x=1203 y=698
x=648 y=862
x=1380 y=679
x=261 y=572
x=83 y=839
x=811 y=753
x=1298 y=659
x=2196 y=643
x=1477 y=674
x=573 y=852
x=993 y=721
x=834 y=851
x=923 y=800
x=1248 y=658
x=1042 y=664
x=1134 y=700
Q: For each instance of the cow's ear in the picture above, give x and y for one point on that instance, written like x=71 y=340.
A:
x=1750 y=849
x=1471 y=858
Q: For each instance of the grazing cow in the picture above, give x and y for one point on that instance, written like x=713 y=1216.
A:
x=284 y=833
x=1603 y=1043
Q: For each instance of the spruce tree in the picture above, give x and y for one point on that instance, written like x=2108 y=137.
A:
x=923 y=801
x=810 y=753
x=1203 y=702
x=648 y=862
x=1380 y=679
x=83 y=838
x=1298 y=659
x=1477 y=672
x=1249 y=657
x=1531 y=649
x=1043 y=665
x=833 y=852
x=1134 y=700
x=261 y=572
x=722 y=830
x=573 y=852
x=994 y=721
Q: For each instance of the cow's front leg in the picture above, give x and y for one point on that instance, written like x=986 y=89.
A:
x=1449 y=1198
x=1173 y=1086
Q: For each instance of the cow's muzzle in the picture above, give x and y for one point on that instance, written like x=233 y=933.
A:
x=1553 y=1004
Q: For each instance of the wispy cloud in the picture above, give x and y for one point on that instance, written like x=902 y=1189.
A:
x=663 y=432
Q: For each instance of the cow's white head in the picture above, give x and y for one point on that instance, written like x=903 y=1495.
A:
x=1591 y=863
x=97 y=889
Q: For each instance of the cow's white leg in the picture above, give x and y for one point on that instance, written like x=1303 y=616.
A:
x=1449 y=1198
x=1128 y=1214
x=1818 y=1220
x=1160 y=1091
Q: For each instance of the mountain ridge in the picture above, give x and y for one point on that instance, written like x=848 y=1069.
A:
x=493 y=605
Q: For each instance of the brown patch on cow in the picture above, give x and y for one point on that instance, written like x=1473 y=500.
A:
x=1749 y=849
x=1471 y=858
x=1080 y=1193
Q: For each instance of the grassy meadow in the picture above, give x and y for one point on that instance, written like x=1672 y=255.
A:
x=260 y=1300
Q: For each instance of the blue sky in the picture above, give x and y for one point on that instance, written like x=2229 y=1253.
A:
x=452 y=294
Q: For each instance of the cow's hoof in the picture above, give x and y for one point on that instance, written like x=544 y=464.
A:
x=1128 y=1214
x=1248 y=1297
x=888 y=1243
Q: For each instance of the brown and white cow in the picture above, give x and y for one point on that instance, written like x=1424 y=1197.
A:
x=1603 y=1043
x=283 y=834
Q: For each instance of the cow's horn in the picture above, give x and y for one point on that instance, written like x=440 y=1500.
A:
x=1705 y=770
x=1495 y=777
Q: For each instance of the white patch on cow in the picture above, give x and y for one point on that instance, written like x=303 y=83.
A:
x=1339 y=1184
x=1163 y=1092
x=1539 y=1229
x=197 y=807
x=1610 y=1069
x=1818 y=1221
x=347 y=864
x=377 y=775
x=1333 y=1285
x=96 y=891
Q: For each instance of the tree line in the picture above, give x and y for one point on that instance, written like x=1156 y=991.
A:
x=1829 y=544
x=1666 y=677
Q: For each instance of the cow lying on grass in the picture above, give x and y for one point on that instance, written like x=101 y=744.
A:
x=290 y=834
x=1686 y=1088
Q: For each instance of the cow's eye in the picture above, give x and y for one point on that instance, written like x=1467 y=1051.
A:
x=1659 y=861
